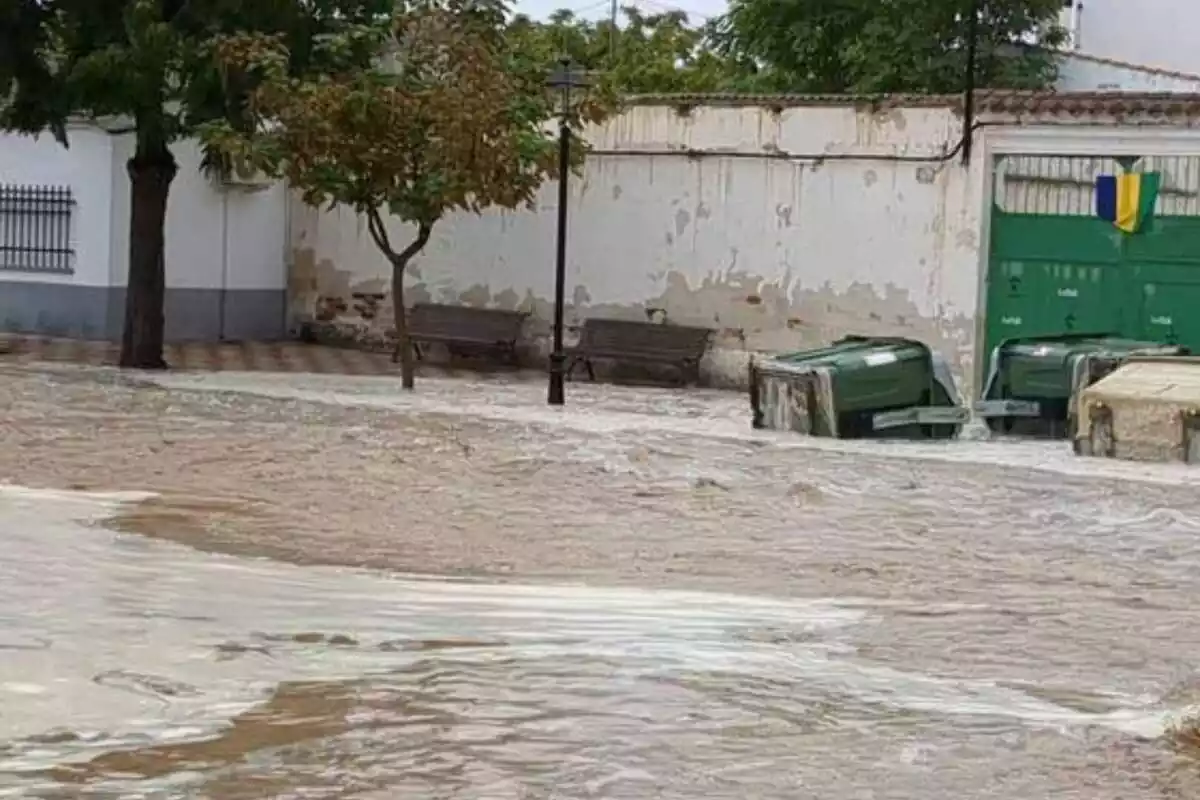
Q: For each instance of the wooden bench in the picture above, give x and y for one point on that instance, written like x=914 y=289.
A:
x=466 y=330
x=678 y=346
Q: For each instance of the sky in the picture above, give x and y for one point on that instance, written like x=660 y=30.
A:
x=698 y=11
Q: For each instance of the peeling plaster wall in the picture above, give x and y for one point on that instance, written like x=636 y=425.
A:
x=781 y=229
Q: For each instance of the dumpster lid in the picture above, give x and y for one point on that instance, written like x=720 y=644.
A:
x=847 y=345
x=1068 y=342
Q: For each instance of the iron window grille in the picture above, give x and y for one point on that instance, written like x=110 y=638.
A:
x=35 y=229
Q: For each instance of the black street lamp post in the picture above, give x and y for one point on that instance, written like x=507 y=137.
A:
x=564 y=79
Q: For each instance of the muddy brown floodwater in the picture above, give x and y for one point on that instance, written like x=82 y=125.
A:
x=261 y=586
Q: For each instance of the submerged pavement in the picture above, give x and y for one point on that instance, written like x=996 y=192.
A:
x=470 y=594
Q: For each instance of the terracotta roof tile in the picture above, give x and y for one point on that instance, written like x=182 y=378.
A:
x=787 y=100
x=1155 y=105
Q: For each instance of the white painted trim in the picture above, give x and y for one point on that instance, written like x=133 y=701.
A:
x=983 y=168
x=1090 y=140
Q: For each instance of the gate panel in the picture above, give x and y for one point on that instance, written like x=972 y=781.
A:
x=1169 y=297
x=1050 y=275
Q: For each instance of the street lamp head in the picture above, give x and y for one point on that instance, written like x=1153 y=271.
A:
x=566 y=77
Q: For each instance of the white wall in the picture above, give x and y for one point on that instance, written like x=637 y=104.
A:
x=216 y=239
x=1083 y=74
x=781 y=230
x=84 y=167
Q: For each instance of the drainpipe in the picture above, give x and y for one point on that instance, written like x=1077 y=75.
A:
x=285 y=321
x=224 y=293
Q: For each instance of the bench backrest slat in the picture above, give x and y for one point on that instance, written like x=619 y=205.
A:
x=430 y=319
x=678 y=341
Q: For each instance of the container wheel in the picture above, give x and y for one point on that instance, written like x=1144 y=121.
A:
x=1073 y=433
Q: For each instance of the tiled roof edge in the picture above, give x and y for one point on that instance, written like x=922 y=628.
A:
x=1007 y=102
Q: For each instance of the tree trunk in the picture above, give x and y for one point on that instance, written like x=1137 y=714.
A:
x=403 y=352
x=151 y=171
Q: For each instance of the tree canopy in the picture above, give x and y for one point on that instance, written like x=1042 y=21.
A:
x=151 y=63
x=647 y=54
x=888 y=46
x=452 y=117
x=814 y=46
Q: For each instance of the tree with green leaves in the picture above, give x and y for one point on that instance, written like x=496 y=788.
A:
x=453 y=117
x=889 y=46
x=648 y=54
x=152 y=63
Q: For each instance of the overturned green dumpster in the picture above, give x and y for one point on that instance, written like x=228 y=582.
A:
x=858 y=387
x=1031 y=383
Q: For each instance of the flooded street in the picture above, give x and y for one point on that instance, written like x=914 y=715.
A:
x=242 y=585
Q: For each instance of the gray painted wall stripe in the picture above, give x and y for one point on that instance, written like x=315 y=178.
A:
x=97 y=312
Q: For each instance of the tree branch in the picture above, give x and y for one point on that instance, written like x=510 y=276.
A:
x=379 y=233
x=424 y=230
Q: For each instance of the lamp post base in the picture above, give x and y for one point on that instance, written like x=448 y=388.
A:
x=556 y=394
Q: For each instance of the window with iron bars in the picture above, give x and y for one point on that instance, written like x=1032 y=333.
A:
x=35 y=229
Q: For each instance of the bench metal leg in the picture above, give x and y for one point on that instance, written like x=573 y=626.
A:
x=417 y=351
x=587 y=365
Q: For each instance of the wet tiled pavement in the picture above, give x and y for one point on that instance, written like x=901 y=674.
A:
x=223 y=357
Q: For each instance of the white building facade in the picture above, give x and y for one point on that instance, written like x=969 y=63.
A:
x=781 y=223
x=63 y=265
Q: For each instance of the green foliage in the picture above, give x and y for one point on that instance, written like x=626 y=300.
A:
x=147 y=60
x=886 y=46
x=451 y=117
x=656 y=53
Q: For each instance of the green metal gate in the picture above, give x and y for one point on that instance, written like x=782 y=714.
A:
x=1054 y=267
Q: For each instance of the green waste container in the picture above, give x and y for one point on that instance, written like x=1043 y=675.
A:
x=858 y=387
x=1031 y=382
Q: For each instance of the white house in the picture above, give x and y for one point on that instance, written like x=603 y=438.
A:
x=1082 y=72
x=1156 y=34
x=64 y=242
x=1116 y=45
